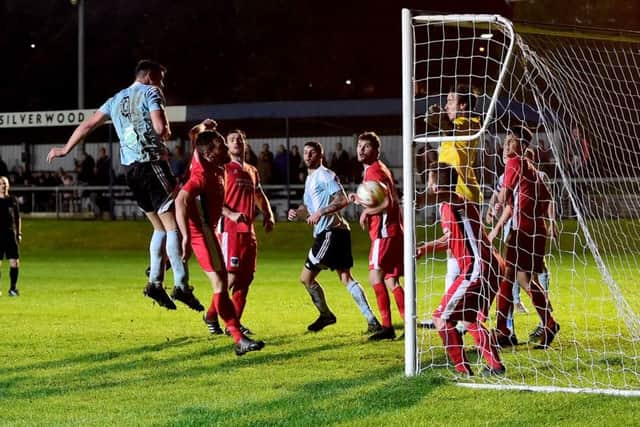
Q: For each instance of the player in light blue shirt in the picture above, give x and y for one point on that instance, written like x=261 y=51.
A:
x=139 y=117
x=130 y=111
x=324 y=198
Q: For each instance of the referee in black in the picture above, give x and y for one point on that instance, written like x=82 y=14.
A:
x=10 y=233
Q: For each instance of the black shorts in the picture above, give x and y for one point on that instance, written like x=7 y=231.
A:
x=331 y=249
x=9 y=246
x=152 y=184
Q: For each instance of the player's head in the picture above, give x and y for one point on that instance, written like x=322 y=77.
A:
x=312 y=154
x=237 y=143
x=209 y=143
x=368 y=149
x=150 y=72
x=460 y=101
x=443 y=178
x=517 y=140
x=4 y=186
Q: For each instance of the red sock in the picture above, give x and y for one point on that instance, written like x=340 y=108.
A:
x=452 y=341
x=541 y=303
x=239 y=298
x=384 y=305
x=504 y=305
x=212 y=311
x=228 y=314
x=398 y=294
x=481 y=337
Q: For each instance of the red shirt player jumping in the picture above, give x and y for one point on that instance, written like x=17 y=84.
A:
x=198 y=209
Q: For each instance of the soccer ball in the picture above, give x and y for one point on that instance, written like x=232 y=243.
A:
x=371 y=193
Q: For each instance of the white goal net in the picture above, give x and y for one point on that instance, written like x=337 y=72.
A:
x=579 y=95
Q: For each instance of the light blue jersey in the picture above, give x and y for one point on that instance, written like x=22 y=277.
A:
x=130 y=111
x=318 y=189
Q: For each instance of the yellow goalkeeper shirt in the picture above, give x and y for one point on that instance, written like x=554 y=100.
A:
x=462 y=155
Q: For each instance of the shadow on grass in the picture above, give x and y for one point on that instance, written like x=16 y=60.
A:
x=377 y=393
x=116 y=369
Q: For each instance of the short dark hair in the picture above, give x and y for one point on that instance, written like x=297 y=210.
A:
x=204 y=134
x=521 y=132
x=372 y=138
x=465 y=95
x=446 y=175
x=239 y=132
x=149 y=66
x=315 y=145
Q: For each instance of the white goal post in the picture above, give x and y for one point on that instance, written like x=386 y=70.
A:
x=578 y=93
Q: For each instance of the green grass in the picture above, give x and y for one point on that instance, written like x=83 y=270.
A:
x=82 y=346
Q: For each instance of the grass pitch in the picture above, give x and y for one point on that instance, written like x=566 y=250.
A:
x=82 y=346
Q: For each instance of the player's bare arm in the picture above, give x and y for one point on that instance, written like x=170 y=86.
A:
x=161 y=124
x=440 y=244
x=83 y=130
x=368 y=211
x=182 y=204
x=337 y=202
x=507 y=210
x=300 y=213
x=269 y=219
x=234 y=216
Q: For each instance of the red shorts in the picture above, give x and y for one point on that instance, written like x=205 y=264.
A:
x=386 y=254
x=463 y=301
x=206 y=248
x=525 y=252
x=240 y=251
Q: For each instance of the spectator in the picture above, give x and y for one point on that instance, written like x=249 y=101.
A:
x=103 y=169
x=4 y=171
x=178 y=162
x=265 y=164
x=250 y=156
x=295 y=161
x=280 y=165
x=340 y=163
x=85 y=166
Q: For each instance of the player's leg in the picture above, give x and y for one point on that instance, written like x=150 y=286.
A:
x=140 y=176
x=544 y=334
x=339 y=257
x=517 y=301
x=240 y=256
x=308 y=279
x=239 y=286
x=155 y=289
x=315 y=263
x=506 y=337
x=376 y=279
x=228 y=314
x=12 y=254
x=173 y=248
x=14 y=265
x=453 y=344
x=360 y=298
x=390 y=260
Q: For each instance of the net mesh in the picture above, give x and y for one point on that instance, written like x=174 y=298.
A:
x=580 y=97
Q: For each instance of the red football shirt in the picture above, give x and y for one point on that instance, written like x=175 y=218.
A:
x=528 y=196
x=387 y=223
x=241 y=182
x=206 y=183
